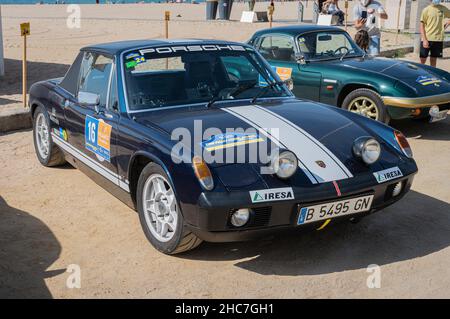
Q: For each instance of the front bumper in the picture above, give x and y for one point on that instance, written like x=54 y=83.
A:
x=417 y=102
x=210 y=220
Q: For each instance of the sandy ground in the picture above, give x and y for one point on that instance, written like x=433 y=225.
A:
x=52 y=218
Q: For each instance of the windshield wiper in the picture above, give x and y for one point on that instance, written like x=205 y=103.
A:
x=238 y=90
x=265 y=89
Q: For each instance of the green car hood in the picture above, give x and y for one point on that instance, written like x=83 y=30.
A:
x=423 y=81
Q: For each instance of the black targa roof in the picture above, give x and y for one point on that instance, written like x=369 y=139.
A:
x=116 y=48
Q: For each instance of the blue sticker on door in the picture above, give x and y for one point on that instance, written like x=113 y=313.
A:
x=97 y=136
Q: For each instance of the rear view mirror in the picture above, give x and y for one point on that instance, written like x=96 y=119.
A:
x=88 y=99
x=324 y=38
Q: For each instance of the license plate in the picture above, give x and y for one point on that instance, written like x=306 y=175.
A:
x=334 y=209
x=442 y=115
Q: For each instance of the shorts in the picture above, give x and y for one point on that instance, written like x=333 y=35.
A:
x=435 y=50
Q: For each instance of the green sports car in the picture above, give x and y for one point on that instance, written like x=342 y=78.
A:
x=326 y=65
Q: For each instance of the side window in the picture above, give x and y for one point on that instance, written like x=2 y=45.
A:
x=94 y=75
x=278 y=48
x=113 y=103
x=239 y=69
x=328 y=42
x=70 y=81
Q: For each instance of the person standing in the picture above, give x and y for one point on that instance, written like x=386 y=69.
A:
x=362 y=40
x=432 y=31
x=332 y=7
x=366 y=14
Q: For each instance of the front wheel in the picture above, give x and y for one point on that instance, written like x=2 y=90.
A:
x=160 y=214
x=367 y=103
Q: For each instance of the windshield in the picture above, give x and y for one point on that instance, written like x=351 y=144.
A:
x=168 y=76
x=327 y=45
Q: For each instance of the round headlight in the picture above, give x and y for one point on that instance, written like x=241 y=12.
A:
x=284 y=164
x=240 y=217
x=368 y=149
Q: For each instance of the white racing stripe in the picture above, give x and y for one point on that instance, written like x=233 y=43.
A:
x=307 y=149
x=108 y=174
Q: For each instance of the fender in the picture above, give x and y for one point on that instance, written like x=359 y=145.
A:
x=34 y=103
x=156 y=156
x=351 y=86
x=152 y=157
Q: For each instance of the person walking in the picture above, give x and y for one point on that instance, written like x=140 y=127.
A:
x=366 y=14
x=432 y=31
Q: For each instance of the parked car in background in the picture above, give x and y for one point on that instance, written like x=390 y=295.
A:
x=327 y=66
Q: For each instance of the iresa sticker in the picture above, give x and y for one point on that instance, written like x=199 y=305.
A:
x=273 y=194
x=388 y=174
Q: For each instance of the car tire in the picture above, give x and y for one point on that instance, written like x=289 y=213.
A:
x=47 y=152
x=156 y=207
x=367 y=103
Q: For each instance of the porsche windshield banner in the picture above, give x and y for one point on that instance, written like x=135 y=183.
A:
x=194 y=48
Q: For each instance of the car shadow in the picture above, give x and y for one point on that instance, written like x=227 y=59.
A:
x=11 y=83
x=414 y=227
x=421 y=129
x=27 y=248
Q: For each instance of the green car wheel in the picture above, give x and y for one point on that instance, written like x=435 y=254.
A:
x=367 y=103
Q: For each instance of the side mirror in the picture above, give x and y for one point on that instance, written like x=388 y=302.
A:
x=300 y=58
x=88 y=99
x=289 y=83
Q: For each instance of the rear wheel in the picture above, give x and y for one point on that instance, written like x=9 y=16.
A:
x=46 y=151
x=160 y=214
x=367 y=103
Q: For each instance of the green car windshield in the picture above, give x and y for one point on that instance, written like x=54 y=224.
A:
x=181 y=75
x=317 y=46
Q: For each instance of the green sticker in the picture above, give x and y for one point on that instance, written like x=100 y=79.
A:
x=131 y=64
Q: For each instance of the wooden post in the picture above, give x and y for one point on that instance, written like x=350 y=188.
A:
x=24 y=31
x=2 y=63
x=346 y=15
x=166 y=19
x=398 y=21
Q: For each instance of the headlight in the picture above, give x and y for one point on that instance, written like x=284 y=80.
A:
x=240 y=217
x=367 y=148
x=284 y=164
x=203 y=173
x=403 y=143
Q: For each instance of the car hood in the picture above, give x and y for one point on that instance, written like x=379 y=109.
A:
x=321 y=137
x=424 y=81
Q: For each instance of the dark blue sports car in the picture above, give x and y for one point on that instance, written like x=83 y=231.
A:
x=206 y=142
